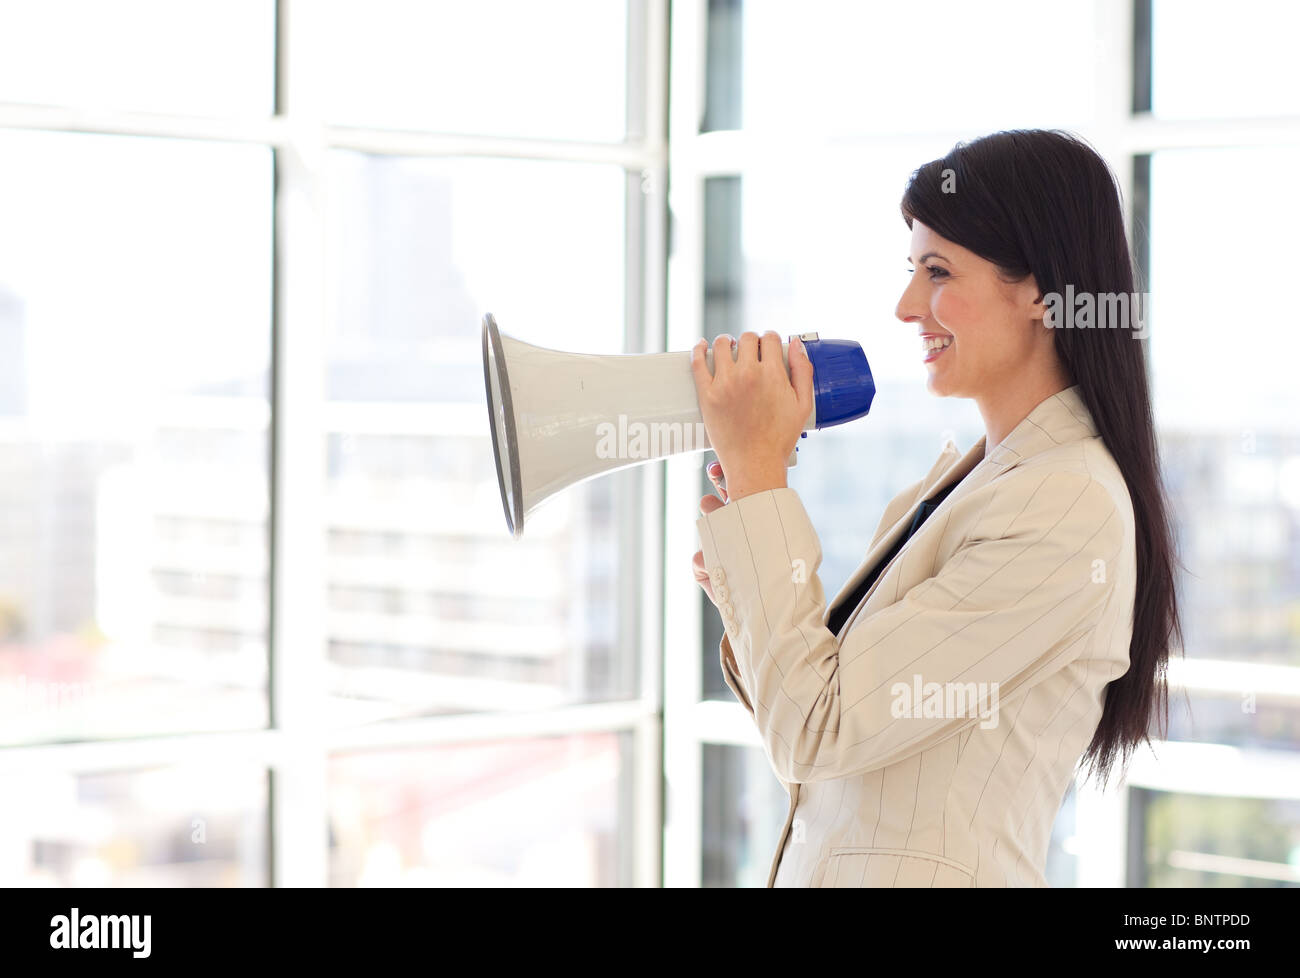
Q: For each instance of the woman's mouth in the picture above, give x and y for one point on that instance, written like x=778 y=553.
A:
x=932 y=347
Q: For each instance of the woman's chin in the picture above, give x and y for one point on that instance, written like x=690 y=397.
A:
x=938 y=385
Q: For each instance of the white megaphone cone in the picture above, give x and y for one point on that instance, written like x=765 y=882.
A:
x=559 y=418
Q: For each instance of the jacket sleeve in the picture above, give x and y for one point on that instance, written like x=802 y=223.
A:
x=1010 y=606
x=732 y=678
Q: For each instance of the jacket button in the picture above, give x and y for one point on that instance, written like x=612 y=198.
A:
x=728 y=611
x=718 y=576
x=720 y=592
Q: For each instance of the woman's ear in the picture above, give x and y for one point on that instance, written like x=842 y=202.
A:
x=1037 y=305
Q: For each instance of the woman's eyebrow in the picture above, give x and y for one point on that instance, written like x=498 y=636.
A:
x=928 y=254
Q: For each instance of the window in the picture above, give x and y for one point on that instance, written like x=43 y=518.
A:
x=478 y=68
x=208 y=58
x=449 y=816
x=249 y=496
x=135 y=318
x=166 y=827
x=1249 y=46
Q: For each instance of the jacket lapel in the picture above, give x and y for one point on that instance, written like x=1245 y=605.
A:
x=947 y=469
x=1058 y=419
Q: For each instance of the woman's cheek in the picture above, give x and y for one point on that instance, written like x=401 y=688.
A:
x=951 y=311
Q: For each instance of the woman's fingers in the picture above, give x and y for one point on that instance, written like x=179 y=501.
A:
x=723 y=363
x=801 y=374
x=708 y=504
x=715 y=476
x=747 y=348
x=702 y=575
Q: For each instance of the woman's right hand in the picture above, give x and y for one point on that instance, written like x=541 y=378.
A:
x=707 y=505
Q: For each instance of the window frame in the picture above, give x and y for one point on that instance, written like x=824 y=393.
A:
x=296 y=747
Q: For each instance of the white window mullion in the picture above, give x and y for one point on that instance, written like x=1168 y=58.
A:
x=683 y=748
x=299 y=843
x=113 y=122
x=647 y=259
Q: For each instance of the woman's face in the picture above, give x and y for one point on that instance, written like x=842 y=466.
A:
x=994 y=330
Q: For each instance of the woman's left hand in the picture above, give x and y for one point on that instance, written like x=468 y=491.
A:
x=753 y=412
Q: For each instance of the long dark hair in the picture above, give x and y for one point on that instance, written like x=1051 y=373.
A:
x=1044 y=203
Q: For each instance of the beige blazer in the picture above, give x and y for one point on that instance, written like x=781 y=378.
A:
x=1014 y=599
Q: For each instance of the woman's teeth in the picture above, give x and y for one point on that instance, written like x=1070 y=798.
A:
x=932 y=346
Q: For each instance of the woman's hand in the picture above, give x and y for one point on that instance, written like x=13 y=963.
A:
x=707 y=505
x=753 y=412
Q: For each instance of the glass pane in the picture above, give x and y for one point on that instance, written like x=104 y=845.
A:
x=135 y=296
x=1243 y=717
x=1062 y=849
x=202 y=57
x=791 y=263
x=433 y=607
x=1211 y=60
x=1200 y=841
x=1228 y=415
x=744 y=810
x=842 y=68
x=171 y=827
x=722 y=81
x=493 y=67
x=554 y=811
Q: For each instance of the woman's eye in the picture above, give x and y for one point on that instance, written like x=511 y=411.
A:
x=936 y=270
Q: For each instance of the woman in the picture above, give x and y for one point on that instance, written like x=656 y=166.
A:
x=1016 y=607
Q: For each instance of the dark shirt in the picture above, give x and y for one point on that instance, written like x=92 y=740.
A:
x=841 y=613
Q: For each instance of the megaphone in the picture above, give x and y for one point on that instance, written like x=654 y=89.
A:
x=560 y=418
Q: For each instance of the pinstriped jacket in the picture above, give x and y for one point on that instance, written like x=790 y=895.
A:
x=931 y=742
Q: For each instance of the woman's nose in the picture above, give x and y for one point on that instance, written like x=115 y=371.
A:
x=910 y=309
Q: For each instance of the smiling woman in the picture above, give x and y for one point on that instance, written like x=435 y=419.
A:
x=1024 y=581
x=1013 y=192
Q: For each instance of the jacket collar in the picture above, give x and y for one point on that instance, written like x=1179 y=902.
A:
x=1055 y=420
